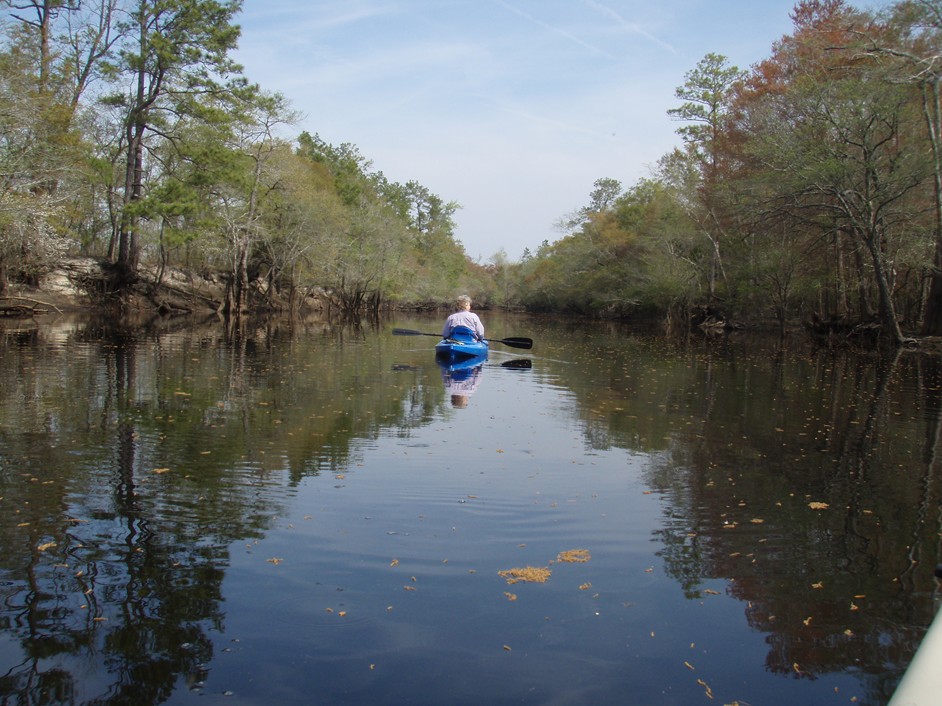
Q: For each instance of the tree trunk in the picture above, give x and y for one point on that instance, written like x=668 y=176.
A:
x=932 y=111
x=887 y=310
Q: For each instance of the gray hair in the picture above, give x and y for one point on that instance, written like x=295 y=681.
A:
x=463 y=300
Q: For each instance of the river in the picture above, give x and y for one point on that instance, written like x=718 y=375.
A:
x=319 y=513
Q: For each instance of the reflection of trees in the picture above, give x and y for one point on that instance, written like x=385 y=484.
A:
x=131 y=459
x=741 y=439
x=99 y=558
x=832 y=432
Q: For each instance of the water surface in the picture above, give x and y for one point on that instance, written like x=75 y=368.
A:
x=318 y=513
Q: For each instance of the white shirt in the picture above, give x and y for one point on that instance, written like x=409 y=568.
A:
x=463 y=318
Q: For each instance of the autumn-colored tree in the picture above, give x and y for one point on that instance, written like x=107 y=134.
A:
x=833 y=144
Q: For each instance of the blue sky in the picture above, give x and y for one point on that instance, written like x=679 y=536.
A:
x=512 y=108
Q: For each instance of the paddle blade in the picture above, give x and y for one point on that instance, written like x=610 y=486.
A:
x=515 y=342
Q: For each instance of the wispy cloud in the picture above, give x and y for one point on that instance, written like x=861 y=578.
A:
x=632 y=26
x=556 y=30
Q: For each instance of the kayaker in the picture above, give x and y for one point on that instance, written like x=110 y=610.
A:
x=463 y=316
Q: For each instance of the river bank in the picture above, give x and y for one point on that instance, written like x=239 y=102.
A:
x=82 y=283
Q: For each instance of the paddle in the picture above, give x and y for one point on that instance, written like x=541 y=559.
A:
x=513 y=341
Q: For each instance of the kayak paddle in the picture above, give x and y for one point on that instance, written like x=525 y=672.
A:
x=513 y=341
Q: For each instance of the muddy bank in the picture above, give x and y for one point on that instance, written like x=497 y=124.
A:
x=79 y=284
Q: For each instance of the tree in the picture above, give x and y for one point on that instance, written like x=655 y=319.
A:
x=706 y=93
x=175 y=57
x=836 y=144
x=916 y=48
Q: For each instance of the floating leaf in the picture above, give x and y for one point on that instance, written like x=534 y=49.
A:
x=574 y=556
x=585 y=587
x=275 y=560
x=47 y=545
x=510 y=596
x=530 y=574
x=818 y=506
x=706 y=688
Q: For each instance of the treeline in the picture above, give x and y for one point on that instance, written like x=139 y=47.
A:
x=127 y=133
x=807 y=188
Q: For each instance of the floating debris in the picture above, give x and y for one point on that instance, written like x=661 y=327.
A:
x=529 y=574
x=574 y=556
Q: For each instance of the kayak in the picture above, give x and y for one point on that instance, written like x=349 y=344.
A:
x=461 y=345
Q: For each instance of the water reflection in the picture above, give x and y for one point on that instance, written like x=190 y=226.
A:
x=461 y=378
x=165 y=492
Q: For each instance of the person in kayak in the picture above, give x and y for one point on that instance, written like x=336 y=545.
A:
x=463 y=316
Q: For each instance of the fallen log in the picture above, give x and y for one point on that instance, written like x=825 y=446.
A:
x=30 y=308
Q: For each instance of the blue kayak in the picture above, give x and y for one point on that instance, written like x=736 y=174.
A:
x=461 y=345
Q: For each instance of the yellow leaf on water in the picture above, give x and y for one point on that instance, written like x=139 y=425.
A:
x=161 y=470
x=818 y=506
x=47 y=545
x=275 y=560
x=585 y=587
x=394 y=562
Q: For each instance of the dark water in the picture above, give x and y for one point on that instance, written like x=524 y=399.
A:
x=305 y=514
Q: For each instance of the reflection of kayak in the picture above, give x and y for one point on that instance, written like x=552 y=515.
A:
x=450 y=364
x=461 y=377
x=461 y=345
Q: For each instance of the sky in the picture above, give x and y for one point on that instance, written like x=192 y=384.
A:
x=511 y=108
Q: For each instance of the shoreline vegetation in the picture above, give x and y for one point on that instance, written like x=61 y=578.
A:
x=805 y=192
x=81 y=286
